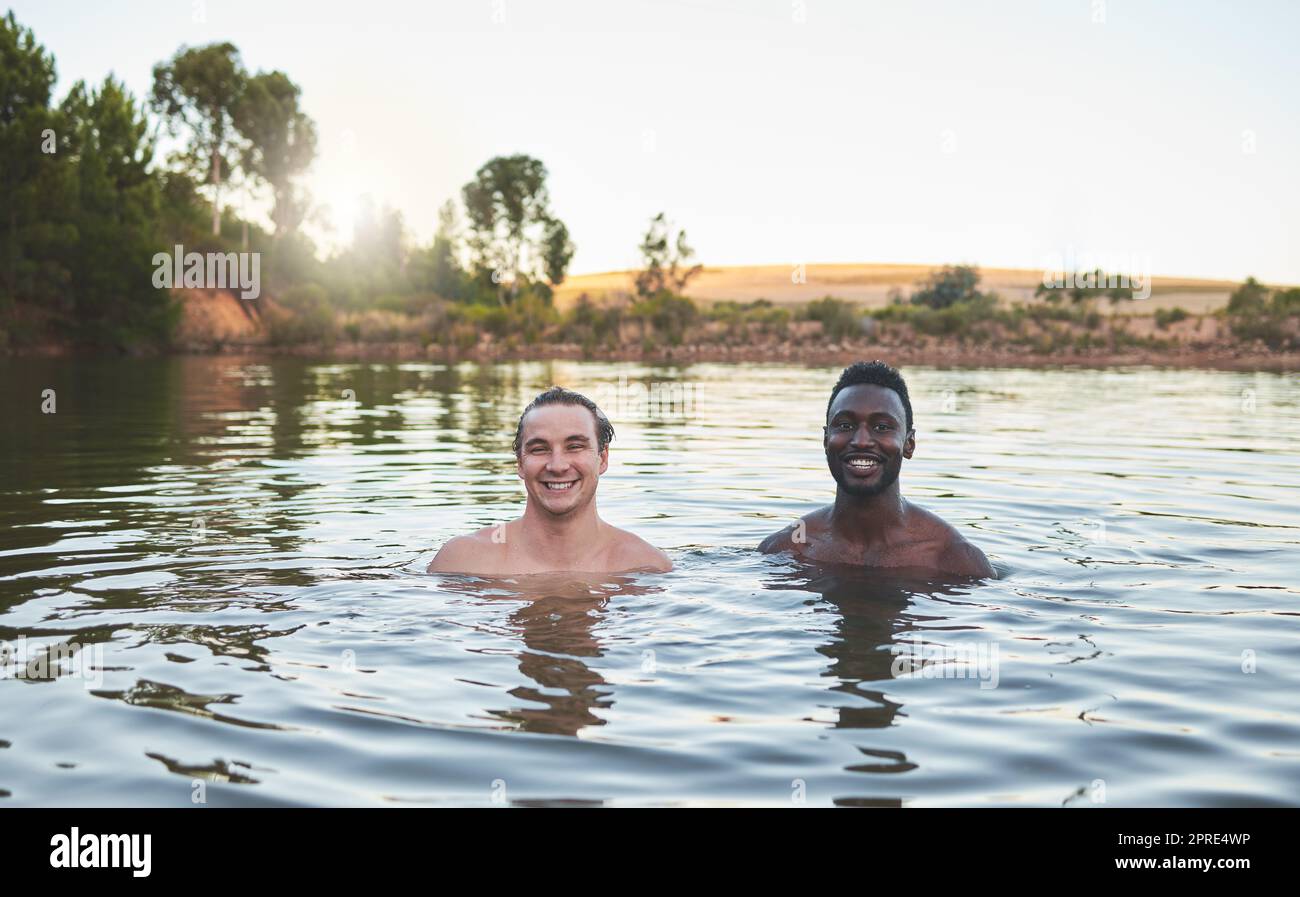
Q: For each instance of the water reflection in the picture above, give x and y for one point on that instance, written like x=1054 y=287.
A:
x=556 y=618
x=870 y=612
x=323 y=489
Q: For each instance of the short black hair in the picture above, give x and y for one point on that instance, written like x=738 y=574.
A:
x=558 y=395
x=872 y=373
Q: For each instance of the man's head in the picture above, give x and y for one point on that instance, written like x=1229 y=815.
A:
x=562 y=448
x=868 y=428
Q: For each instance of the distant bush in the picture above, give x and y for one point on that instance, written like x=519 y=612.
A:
x=302 y=314
x=590 y=325
x=839 y=319
x=1166 y=316
x=408 y=303
x=1088 y=285
x=1286 y=302
x=1256 y=313
x=948 y=286
x=949 y=320
x=742 y=319
x=1265 y=328
x=668 y=313
x=1251 y=297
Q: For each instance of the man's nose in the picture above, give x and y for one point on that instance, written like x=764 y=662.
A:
x=557 y=462
x=862 y=437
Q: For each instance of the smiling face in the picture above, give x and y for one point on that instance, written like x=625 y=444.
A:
x=867 y=438
x=559 y=461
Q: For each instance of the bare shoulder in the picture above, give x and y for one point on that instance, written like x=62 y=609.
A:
x=630 y=552
x=472 y=553
x=954 y=553
x=779 y=541
x=795 y=534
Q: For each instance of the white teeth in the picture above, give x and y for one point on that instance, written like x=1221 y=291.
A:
x=559 y=487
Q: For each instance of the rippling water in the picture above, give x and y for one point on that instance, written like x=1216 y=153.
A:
x=212 y=587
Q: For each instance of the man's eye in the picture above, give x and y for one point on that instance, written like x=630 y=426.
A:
x=884 y=427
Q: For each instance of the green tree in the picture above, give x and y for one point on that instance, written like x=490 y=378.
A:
x=441 y=271
x=514 y=239
x=33 y=172
x=665 y=259
x=196 y=93
x=280 y=144
x=116 y=216
x=557 y=251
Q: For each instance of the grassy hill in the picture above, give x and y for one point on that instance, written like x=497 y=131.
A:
x=870 y=286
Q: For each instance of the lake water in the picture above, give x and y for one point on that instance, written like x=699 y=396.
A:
x=212 y=588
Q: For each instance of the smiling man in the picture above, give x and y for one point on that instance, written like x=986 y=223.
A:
x=867 y=435
x=561 y=449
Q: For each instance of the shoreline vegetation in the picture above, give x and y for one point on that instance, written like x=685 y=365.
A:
x=90 y=210
x=1259 y=329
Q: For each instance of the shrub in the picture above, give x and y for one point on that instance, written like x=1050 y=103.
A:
x=1251 y=296
x=302 y=314
x=839 y=319
x=950 y=285
x=1167 y=316
x=668 y=313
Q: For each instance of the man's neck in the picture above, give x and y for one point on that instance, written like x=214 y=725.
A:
x=564 y=540
x=867 y=519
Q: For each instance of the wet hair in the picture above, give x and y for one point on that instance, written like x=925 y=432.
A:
x=872 y=373
x=558 y=395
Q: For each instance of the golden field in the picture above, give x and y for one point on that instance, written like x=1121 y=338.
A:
x=870 y=286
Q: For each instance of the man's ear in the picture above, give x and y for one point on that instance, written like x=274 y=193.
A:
x=826 y=433
x=604 y=459
x=519 y=466
x=909 y=444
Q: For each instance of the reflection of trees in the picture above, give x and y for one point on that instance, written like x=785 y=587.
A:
x=556 y=622
x=489 y=405
x=72 y=471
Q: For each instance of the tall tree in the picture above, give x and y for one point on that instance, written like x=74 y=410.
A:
x=197 y=92
x=280 y=144
x=665 y=259
x=31 y=136
x=445 y=276
x=513 y=235
x=116 y=217
x=557 y=251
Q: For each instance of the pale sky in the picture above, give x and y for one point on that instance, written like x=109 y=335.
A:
x=788 y=131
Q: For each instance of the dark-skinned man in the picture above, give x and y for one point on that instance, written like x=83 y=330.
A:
x=868 y=434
